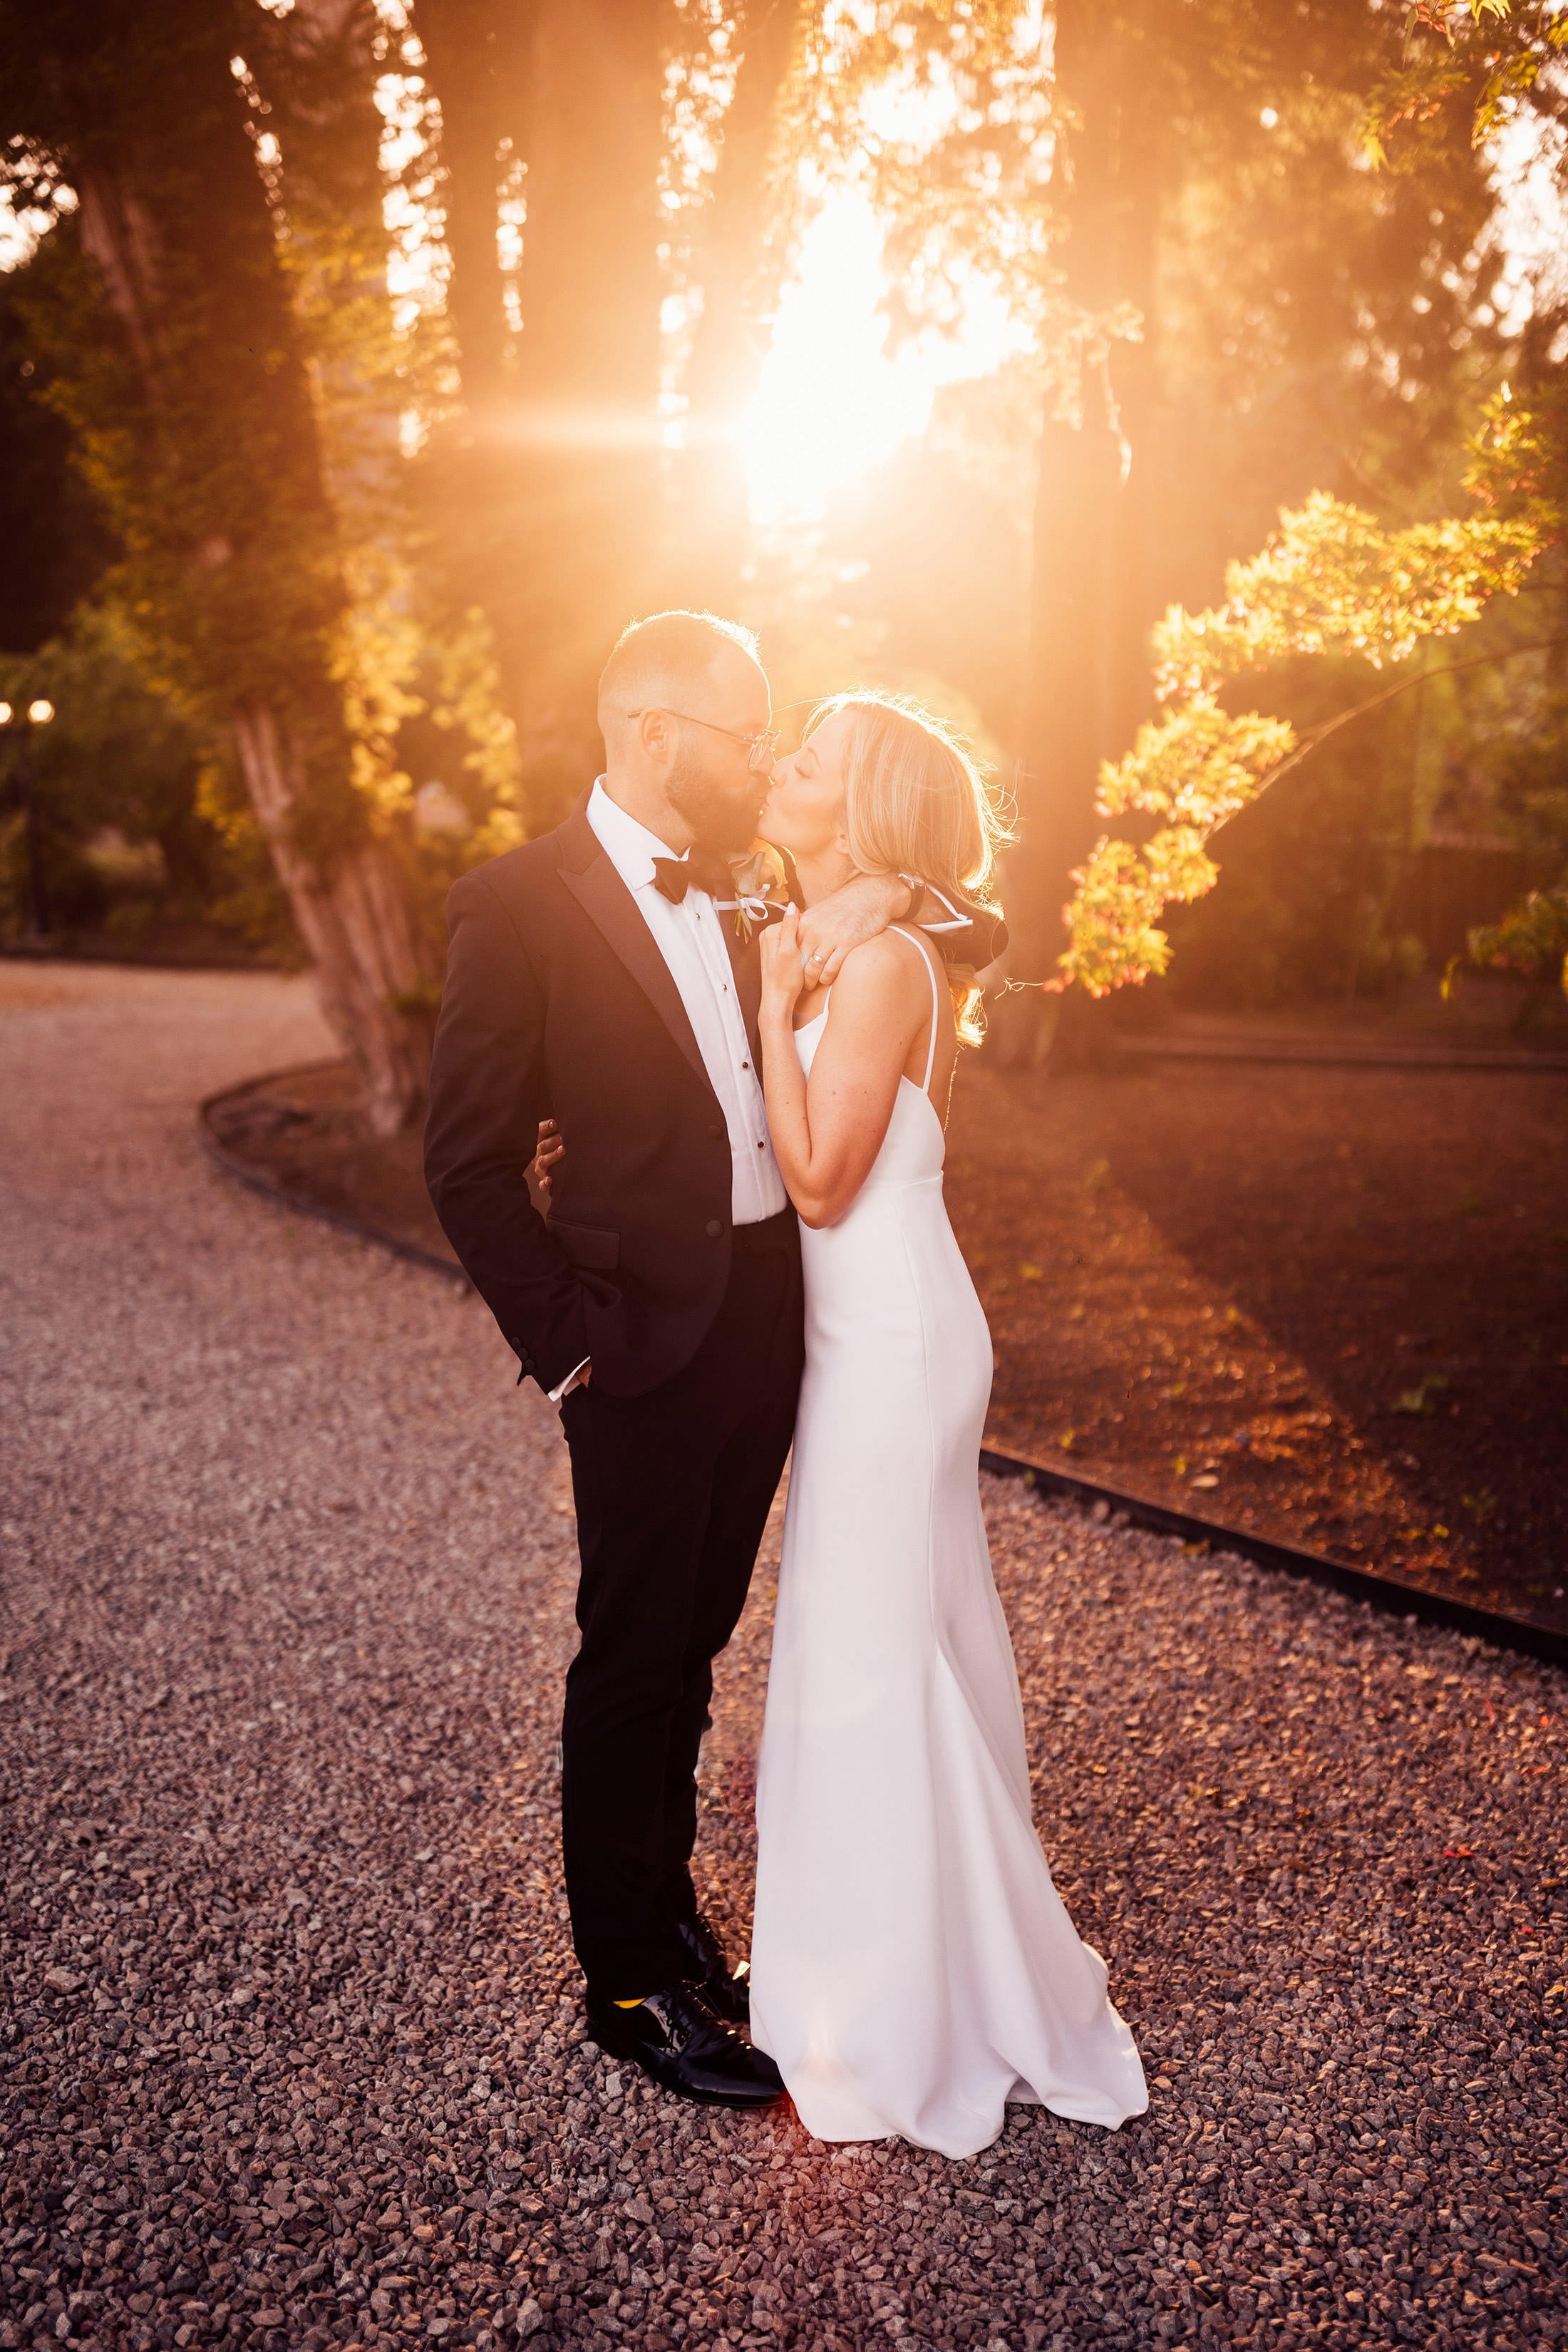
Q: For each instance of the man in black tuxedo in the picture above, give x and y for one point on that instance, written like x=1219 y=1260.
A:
x=606 y=977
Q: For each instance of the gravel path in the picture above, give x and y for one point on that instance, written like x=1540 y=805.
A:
x=290 y=2052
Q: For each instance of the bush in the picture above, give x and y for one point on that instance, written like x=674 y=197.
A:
x=131 y=805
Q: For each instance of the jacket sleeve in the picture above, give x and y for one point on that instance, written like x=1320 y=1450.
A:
x=489 y=1090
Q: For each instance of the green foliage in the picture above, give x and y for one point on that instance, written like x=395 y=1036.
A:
x=1197 y=767
x=1478 y=61
x=467 y=705
x=54 y=542
x=1531 y=939
x=1120 y=895
x=117 y=752
x=1315 y=902
x=1303 y=320
x=214 y=328
x=1519 y=461
x=174 y=357
x=132 y=802
x=974 y=198
x=1332 y=582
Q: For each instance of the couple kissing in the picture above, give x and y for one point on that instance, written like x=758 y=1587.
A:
x=748 y=1059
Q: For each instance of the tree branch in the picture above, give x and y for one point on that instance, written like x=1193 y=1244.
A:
x=1319 y=734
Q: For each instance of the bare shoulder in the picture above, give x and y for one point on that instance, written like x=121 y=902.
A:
x=883 y=979
x=887 y=965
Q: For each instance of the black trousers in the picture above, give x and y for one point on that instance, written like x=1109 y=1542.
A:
x=673 y=1491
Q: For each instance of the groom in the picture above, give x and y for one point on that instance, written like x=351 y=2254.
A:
x=606 y=976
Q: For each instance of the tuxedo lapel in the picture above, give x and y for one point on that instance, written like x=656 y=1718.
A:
x=592 y=878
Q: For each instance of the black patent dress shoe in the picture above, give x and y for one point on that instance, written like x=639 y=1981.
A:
x=675 y=2037
x=726 y=1990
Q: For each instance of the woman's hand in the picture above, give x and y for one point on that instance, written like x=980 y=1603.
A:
x=857 y=911
x=784 y=973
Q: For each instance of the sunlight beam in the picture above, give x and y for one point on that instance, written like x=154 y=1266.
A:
x=834 y=401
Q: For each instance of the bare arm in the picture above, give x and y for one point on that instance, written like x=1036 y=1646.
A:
x=967 y=934
x=836 y=926
x=826 y=1134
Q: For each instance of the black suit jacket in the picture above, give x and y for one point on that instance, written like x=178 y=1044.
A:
x=558 y=1004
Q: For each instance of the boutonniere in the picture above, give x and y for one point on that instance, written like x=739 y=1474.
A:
x=761 y=889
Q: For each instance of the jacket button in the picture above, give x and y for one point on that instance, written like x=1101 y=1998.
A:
x=717 y=1133
x=715 y=1229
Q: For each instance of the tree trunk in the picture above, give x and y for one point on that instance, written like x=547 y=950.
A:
x=117 y=232
x=739 y=260
x=592 y=158
x=588 y=424
x=214 y=474
x=1086 y=676
x=479 y=53
x=544 y=493
x=352 y=916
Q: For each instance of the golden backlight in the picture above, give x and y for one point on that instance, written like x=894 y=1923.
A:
x=834 y=400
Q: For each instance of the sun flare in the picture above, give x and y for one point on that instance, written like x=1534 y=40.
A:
x=834 y=401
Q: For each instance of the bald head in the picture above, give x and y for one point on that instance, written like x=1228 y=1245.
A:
x=682 y=700
x=673 y=658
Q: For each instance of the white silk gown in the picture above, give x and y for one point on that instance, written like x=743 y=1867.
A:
x=913 y=1968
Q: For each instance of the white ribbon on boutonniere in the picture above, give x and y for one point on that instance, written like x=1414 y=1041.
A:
x=761 y=889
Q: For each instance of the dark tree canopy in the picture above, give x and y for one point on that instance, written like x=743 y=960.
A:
x=367 y=550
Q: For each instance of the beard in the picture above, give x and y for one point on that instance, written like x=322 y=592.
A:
x=722 y=813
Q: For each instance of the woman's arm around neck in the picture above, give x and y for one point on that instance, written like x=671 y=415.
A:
x=826 y=1133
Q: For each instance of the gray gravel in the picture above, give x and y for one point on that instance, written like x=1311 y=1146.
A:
x=290 y=2051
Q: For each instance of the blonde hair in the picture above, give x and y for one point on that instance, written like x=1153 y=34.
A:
x=915 y=802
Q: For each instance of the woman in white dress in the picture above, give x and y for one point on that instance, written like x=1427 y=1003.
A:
x=913 y=1968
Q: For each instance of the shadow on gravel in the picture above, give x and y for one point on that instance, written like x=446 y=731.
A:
x=1322 y=1306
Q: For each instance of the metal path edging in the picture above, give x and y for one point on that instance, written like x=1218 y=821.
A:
x=1384 y=1593
x=1389 y=1594
x=300 y=1203
x=1286 y=1053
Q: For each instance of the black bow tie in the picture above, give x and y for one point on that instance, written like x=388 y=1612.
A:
x=703 y=870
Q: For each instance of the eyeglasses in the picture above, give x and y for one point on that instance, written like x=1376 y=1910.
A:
x=760 y=748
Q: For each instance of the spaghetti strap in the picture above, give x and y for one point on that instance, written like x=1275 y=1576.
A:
x=935 y=1001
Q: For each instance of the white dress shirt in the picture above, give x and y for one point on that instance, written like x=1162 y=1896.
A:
x=691 y=939
x=691 y=942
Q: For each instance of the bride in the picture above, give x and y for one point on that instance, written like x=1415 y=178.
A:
x=912 y=1968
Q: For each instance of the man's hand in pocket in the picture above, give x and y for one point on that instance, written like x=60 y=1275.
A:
x=550 y=1148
